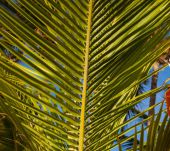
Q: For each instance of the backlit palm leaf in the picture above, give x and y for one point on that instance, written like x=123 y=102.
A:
x=158 y=132
x=83 y=63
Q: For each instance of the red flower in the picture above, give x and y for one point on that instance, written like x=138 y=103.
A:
x=167 y=97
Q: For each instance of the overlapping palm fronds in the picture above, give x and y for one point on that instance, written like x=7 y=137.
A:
x=83 y=62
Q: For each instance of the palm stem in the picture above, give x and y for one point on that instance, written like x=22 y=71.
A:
x=153 y=86
x=85 y=79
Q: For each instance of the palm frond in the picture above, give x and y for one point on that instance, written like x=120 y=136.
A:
x=85 y=61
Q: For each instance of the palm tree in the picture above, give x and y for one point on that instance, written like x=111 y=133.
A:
x=81 y=71
x=163 y=60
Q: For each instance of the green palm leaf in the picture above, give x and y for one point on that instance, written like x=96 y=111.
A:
x=84 y=61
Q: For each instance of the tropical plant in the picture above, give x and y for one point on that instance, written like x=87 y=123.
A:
x=82 y=63
x=162 y=60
